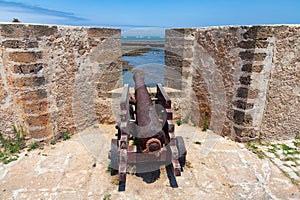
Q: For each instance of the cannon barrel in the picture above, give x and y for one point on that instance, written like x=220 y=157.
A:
x=150 y=136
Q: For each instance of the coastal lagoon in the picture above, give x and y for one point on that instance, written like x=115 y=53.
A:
x=152 y=63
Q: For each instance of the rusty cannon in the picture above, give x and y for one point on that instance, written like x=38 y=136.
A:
x=146 y=139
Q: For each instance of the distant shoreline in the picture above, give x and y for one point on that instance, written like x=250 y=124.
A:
x=142 y=43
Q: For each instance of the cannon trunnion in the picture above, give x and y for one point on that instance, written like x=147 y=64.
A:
x=146 y=137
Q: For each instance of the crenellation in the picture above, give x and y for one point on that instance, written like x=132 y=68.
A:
x=252 y=66
x=43 y=70
x=242 y=81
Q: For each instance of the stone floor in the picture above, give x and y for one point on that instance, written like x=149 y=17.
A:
x=286 y=155
x=77 y=169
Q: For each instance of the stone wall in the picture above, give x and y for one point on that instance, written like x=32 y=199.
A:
x=56 y=79
x=243 y=81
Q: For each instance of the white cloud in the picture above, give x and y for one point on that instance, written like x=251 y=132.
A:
x=34 y=14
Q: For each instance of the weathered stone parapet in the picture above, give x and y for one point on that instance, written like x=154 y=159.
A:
x=245 y=78
x=49 y=77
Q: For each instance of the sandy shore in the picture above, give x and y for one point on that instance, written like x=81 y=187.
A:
x=132 y=47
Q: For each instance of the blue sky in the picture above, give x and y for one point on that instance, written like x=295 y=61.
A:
x=152 y=13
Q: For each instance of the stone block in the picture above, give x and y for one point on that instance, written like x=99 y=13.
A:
x=25 y=57
x=238 y=117
x=247 y=68
x=26 y=31
x=13 y=30
x=33 y=95
x=242 y=92
x=248 y=119
x=93 y=42
x=173 y=52
x=107 y=56
x=186 y=63
x=245 y=134
x=103 y=33
x=257 y=68
x=252 y=93
x=188 y=53
x=243 y=105
x=103 y=111
x=226 y=130
x=245 y=80
x=174 y=42
x=3 y=91
x=43 y=30
x=40 y=133
x=247 y=44
x=175 y=33
x=26 y=82
x=251 y=56
x=176 y=51
x=41 y=120
x=27 y=68
x=15 y=44
x=261 y=44
x=250 y=68
x=36 y=107
x=174 y=62
x=251 y=44
x=258 y=32
x=113 y=67
x=230 y=114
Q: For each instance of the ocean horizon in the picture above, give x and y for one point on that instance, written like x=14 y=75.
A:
x=142 y=38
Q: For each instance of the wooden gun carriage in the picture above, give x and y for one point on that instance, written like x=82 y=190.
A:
x=146 y=134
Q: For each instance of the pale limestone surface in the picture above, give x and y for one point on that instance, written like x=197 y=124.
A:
x=218 y=169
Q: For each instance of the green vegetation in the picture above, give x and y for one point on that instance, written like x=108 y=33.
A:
x=188 y=164
x=286 y=153
x=205 y=125
x=289 y=159
x=12 y=145
x=252 y=147
x=134 y=141
x=32 y=145
x=186 y=120
x=183 y=121
x=286 y=147
x=107 y=197
x=66 y=136
x=297 y=143
x=274 y=148
x=198 y=142
x=195 y=124
x=179 y=122
x=297 y=135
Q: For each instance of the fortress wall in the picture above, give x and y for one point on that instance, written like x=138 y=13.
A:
x=55 y=79
x=243 y=81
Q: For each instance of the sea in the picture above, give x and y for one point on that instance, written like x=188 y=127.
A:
x=143 y=38
x=151 y=63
